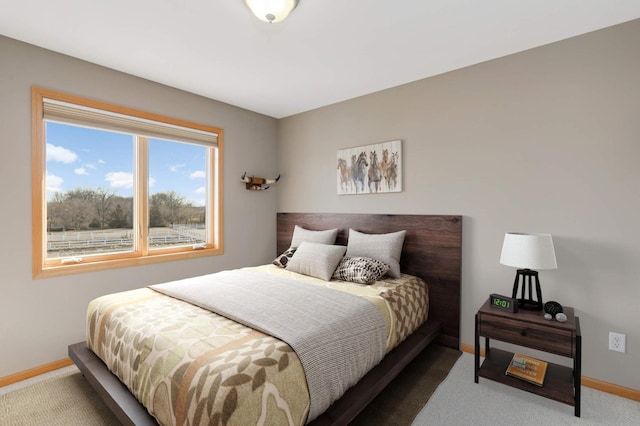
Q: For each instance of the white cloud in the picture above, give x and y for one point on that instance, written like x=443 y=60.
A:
x=176 y=167
x=90 y=166
x=152 y=182
x=81 y=171
x=199 y=174
x=200 y=190
x=119 y=179
x=54 y=183
x=200 y=202
x=60 y=154
x=102 y=162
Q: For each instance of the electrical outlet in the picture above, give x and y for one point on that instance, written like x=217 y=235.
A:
x=617 y=342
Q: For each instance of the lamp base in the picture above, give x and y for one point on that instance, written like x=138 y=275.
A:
x=527 y=303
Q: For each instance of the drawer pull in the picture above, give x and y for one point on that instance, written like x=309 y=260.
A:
x=524 y=332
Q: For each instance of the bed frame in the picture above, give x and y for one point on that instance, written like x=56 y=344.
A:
x=431 y=251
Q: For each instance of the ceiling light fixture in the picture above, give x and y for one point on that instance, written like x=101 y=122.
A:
x=271 y=10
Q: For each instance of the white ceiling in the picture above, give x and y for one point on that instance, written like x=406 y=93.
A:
x=325 y=52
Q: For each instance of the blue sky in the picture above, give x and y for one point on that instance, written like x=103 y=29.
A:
x=89 y=158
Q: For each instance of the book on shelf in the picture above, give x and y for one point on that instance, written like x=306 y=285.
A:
x=526 y=368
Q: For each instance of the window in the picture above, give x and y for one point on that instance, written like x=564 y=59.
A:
x=113 y=186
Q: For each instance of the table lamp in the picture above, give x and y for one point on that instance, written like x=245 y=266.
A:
x=528 y=252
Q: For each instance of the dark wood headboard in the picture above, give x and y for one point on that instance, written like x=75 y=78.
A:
x=432 y=251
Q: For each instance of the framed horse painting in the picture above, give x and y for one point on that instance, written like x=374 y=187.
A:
x=370 y=169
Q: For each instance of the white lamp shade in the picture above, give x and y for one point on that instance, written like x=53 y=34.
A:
x=271 y=10
x=528 y=251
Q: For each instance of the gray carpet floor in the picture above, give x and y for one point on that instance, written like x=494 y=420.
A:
x=61 y=398
x=457 y=401
x=460 y=401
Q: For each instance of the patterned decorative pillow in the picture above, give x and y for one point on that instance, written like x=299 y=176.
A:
x=283 y=260
x=362 y=270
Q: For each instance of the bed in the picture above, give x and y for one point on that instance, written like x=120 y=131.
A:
x=431 y=252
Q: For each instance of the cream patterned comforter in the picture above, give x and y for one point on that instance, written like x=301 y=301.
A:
x=190 y=366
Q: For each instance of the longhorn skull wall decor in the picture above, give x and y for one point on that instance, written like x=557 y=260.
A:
x=257 y=183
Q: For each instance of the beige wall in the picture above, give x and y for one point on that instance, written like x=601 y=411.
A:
x=546 y=140
x=39 y=318
x=543 y=141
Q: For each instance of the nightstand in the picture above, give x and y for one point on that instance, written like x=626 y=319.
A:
x=530 y=330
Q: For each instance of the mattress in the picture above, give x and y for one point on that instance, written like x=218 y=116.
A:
x=188 y=365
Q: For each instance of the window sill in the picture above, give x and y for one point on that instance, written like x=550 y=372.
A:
x=60 y=270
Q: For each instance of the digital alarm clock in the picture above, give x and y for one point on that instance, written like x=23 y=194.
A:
x=505 y=303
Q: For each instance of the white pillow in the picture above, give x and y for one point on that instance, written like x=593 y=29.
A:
x=301 y=235
x=386 y=248
x=316 y=260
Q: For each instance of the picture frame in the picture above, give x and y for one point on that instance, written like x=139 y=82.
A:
x=370 y=169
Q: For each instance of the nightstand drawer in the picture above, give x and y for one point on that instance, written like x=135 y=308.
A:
x=528 y=334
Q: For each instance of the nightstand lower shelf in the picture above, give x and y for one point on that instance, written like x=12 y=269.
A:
x=558 y=382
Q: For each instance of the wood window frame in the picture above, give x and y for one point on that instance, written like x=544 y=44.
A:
x=142 y=254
